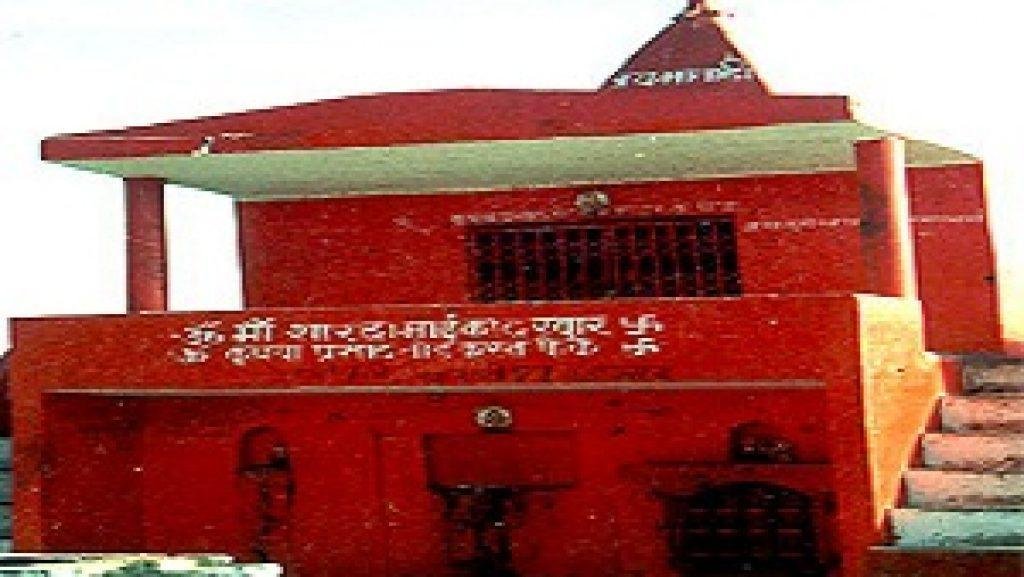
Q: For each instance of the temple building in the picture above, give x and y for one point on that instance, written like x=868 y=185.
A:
x=679 y=325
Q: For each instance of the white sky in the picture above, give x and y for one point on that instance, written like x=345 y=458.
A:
x=940 y=69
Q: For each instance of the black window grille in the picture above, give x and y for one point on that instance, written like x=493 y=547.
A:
x=671 y=257
x=741 y=529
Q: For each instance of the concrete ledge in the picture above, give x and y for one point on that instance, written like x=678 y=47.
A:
x=937 y=489
x=975 y=451
x=922 y=529
x=997 y=414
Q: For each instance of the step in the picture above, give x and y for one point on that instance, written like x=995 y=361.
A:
x=1009 y=388
x=6 y=486
x=1005 y=377
x=945 y=562
x=987 y=413
x=6 y=525
x=920 y=528
x=993 y=452
x=936 y=489
x=1005 y=370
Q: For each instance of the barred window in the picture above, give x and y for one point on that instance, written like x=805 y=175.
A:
x=668 y=257
x=745 y=529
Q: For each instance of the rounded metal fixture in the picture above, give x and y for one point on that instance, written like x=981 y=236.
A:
x=494 y=418
x=592 y=202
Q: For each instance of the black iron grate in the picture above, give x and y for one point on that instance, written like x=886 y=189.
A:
x=744 y=529
x=676 y=257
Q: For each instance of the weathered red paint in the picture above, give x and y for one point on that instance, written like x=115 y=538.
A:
x=148 y=430
x=146 y=249
x=390 y=119
x=303 y=254
x=957 y=278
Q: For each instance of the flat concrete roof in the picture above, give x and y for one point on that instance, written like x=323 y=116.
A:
x=517 y=164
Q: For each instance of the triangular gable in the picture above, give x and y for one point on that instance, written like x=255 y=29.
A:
x=692 y=52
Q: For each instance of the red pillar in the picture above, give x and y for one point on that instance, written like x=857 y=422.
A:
x=887 y=247
x=145 y=244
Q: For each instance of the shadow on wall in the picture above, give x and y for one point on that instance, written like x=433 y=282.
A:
x=756 y=442
x=266 y=470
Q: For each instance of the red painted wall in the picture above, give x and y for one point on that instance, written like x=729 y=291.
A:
x=174 y=453
x=120 y=469
x=351 y=451
x=701 y=339
x=955 y=259
x=798 y=234
x=105 y=402
x=93 y=454
x=334 y=252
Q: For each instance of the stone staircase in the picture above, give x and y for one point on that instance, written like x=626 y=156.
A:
x=963 y=508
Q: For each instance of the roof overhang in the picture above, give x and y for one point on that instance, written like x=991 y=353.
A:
x=517 y=164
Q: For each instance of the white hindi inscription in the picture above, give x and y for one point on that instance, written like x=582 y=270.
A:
x=730 y=69
x=266 y=339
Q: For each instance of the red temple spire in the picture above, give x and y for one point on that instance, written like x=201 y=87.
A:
x=693 y=51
